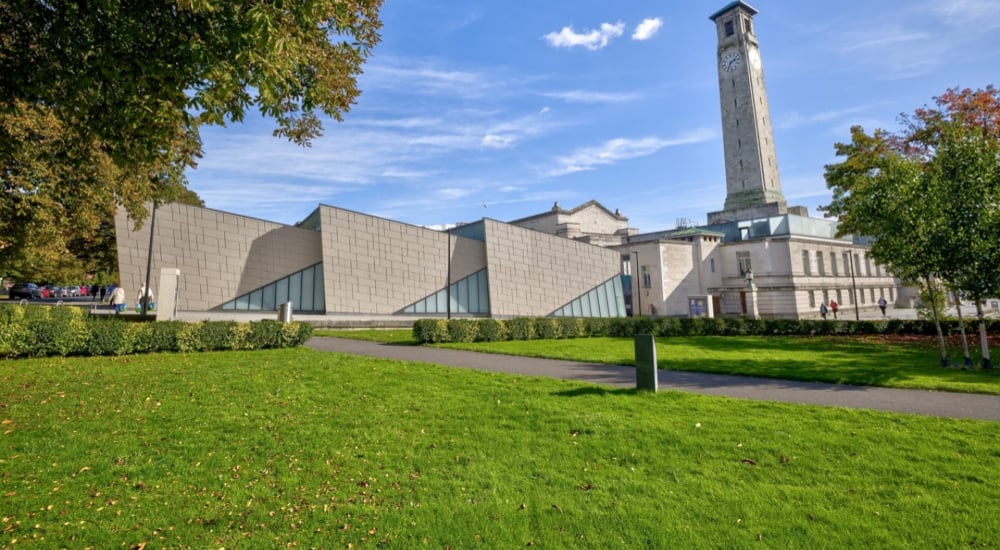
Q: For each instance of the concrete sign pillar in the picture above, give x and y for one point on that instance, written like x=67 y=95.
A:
x=645 y=363
x=166 y=303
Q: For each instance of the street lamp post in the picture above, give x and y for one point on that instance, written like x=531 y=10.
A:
x=752 y=309
x=149 y=262
x=854 y=288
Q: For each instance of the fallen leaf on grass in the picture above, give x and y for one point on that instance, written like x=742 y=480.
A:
x=749 y=461
x=587 y=487
x=556 y=506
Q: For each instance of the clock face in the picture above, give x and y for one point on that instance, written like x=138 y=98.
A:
x=730 y=61
x=754 y=57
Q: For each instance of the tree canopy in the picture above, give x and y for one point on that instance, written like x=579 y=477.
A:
x=101 y=102
x=929 y=194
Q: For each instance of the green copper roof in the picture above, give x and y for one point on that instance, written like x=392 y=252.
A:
x=731 y=6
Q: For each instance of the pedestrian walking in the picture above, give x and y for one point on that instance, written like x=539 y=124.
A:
x=822 y=311
x=118 y=299
x=145 y=296
x=834 y=306
x=881 y=305
x=104 y=292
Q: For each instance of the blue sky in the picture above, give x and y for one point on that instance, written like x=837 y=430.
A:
x=499 y=109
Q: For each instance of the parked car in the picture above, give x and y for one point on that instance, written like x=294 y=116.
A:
x=28 y=291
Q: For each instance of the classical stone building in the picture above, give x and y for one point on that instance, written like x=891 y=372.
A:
x=757 y=256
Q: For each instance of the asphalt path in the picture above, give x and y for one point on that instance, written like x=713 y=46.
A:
x=930 y=403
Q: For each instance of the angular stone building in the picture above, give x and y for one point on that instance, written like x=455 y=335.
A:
x=339 y=261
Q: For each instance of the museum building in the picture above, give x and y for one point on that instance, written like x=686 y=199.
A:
x=755 y=257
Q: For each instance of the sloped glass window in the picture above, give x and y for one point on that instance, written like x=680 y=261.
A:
x=303 y=288
x=468 y=295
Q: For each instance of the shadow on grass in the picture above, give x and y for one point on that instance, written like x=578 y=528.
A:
x=579 y=392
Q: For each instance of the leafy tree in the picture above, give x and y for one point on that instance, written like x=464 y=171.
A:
x=101 y=102
x=930 y=195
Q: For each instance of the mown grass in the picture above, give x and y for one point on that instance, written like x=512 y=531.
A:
x=298 y=447
x=387 y=336
x=864 y=361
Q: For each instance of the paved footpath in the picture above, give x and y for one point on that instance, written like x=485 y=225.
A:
x=931 y=403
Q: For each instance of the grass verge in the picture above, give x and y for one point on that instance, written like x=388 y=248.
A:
x=298 y=447
x=864 y=361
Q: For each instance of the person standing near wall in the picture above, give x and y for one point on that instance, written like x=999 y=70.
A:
x=118 y=298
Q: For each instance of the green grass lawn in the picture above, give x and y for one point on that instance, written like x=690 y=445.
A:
x=298 y=447
x=837 y=359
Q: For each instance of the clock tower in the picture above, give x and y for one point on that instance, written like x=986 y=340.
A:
x=753 y=188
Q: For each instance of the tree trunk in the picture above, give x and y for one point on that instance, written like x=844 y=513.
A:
x=937 y=323
x=967 y=363
x=983 y=341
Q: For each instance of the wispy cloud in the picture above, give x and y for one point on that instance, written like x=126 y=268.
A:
x=794 y=119
x=416 y=76
x=584 y=96
x=619 y=149
x=970 y=15
x=647 y=29
x=592 y=40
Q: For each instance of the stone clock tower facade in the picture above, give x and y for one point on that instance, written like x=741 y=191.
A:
x=753 y=187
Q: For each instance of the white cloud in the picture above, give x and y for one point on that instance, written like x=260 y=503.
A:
x=592 y=40
x=493 y=141
x=619 y=149
x=647 y=29
x=583 y=96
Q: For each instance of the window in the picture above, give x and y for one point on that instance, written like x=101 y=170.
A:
x=647 y=281
x=868 y=266
x=819 y=264
x=806 y=263
x=812 y=298
x=711 y=264
x=840 y=298
x=729 y=28
x=626 y=265
x=848 y=266
x=826 y=296
x=743 y=262
x=833 y=263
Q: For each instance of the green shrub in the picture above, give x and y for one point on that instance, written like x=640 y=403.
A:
x=596 y=326
x=62 y=330
x=521 y=328
x=463 y=330
x=548 y=328
x=572 y=327
x=431 y=330
x=491 y=330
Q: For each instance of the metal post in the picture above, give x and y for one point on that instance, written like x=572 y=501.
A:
x=638 y=285
x=149 y=260
x=854 y=287
x=447 y=284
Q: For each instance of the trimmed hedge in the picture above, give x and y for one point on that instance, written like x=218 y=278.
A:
x=431 y=331
x=35 y=331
